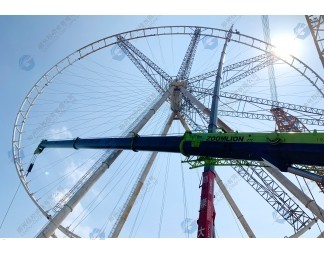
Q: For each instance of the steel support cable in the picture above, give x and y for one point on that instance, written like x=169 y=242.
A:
x=155 y=60
x=164 y=194
x=237 y=225
x=9 y=207
x=114 y=176
x=163 y=60
x=148 y=200
x=138 y=212
x=106 y=195
x=116 y=70
x=172 y=50
x=59 y=179
x=184 y=200
x=130 y=201
x=122 y=193
x=137 y=215
x=184 y=194
x=48 y=166
x=105 y=75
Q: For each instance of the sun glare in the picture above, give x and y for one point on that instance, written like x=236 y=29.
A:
x=285 y=46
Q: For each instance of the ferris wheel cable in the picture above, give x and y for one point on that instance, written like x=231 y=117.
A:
x=164 y=194
x=165 y=66
x=132 y=233
x=122 y=195
x=137 y=187
x=94 y=82
x=110 y=74
x=230 y=59
x=52 y=164
x=110 y=78
x=114 y=176
x=152 y=54
x=78 y=125
x=62 y=178
x=184 y=197
x=110 y=69
x=9 y=207
x=237 y=225
x=172 y=52
x=150 y=198
x=207 y=64
x=137 y=215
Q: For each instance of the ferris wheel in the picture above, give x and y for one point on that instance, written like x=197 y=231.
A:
x=160 y=81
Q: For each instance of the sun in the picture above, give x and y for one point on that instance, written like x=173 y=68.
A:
x=285 y=45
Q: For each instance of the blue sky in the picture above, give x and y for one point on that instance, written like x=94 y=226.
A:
x=31 y=45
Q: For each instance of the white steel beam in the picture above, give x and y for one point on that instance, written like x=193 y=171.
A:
x=137 y=188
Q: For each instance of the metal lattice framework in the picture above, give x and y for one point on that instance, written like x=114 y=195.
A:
x=316 y=26
x=170 y=89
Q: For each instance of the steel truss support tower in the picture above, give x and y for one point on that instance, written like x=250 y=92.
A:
x=316 y=26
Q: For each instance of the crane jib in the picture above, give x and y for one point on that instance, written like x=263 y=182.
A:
x=286 y=148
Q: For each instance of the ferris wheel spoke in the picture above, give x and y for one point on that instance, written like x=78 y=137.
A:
x=147 y=67
x=258 y=116
x=245 y=62
x=301 y=196
x=252 y=69
x=185 y=68
x=275 y=196
x=268 y=61
x=122 y=217
x=261 y=101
